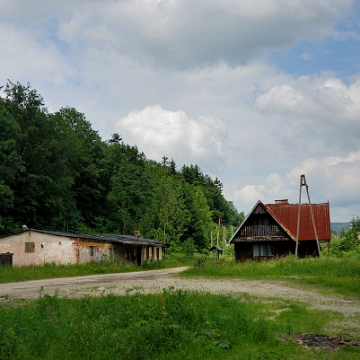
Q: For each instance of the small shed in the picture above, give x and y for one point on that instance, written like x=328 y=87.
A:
x=216 y=250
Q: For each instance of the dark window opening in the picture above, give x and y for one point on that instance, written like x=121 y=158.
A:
x=29 y=247
x=263 y=250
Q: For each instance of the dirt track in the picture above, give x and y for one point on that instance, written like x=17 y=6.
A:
x=156 y=280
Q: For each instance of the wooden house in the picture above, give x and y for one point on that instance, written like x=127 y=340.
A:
x=269 y=231
x=39 y=247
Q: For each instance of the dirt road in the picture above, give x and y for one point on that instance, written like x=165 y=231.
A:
x=157 y=280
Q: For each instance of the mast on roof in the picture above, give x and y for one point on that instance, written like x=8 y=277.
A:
x=303 y=183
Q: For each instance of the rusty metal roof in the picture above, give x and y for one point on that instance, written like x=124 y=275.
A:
x=287 y=215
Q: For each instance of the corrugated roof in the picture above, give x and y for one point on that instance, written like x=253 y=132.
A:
x=114 y=238
x=130 y=239
x=287 y=215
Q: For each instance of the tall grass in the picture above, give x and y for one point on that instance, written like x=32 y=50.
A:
x=50 y=270
x=340 y=275
x=170 y=325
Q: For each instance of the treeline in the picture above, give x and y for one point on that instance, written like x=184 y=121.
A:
x=346 y=244
x=56 y=173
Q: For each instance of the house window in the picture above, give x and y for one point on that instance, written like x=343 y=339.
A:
x=91 y=250
x=262 y=250
x=29 y=247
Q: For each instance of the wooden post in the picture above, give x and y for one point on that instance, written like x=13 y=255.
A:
x=313 y=222
x=303 y=183
x=217 y=233
x=298 y=222
x=224 y=235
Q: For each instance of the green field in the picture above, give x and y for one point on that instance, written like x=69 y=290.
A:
x=177 y=324
x=170 y=325
x=333 y=274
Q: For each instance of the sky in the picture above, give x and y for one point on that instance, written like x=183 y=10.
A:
x=254 y=92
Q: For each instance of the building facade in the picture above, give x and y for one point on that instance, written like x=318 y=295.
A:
x=270 y=231
x=39 y=247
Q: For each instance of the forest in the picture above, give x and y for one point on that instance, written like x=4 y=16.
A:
x=56 y=173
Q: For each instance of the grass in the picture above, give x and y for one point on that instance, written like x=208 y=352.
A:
x=176 y=324
x=50 y=270
x=335 y=274
x=170 y=325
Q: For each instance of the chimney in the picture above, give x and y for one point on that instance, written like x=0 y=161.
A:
x=137 y=233
x=283 y=201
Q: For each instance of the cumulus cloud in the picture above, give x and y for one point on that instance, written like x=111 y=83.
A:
x=183 y=34
x=320 y=108
x=174 y=134
x=237 y=116
x=333 y=179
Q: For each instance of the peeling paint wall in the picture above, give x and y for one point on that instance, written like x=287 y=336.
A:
x=31 y=247
x=45 y=248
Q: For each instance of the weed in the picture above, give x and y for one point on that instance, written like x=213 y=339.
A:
x=173 y=324
x=339 y=275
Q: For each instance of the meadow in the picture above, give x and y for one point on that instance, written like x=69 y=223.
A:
x=171 y=325
x=178 y=324
x=51 y=270
x=340 y=275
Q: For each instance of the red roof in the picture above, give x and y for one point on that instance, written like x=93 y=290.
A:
x=287 y=216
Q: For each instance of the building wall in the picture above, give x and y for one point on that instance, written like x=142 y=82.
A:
x=244 y=250
x=31 y=247
x=92 y=250
x=43 y=248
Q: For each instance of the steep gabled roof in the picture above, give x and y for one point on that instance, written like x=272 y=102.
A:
x=286 y=216
x=266 y=209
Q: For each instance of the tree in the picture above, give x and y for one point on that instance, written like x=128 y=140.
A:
x=10 y=166
x=88 y=165
x=41 y=186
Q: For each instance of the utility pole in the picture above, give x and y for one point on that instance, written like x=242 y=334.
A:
x=303 y=183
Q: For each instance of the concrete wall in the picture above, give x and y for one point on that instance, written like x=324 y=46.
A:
x=47 y=248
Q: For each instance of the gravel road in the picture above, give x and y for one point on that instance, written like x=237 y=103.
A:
x=156 y=280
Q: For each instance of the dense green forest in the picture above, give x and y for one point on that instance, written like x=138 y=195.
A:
x=56 y=173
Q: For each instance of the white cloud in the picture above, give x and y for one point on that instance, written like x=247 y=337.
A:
x=174 y=134
x=320 y=110
x=182 y=33
x=250 y=194
x=236 y=116
x=333 y=179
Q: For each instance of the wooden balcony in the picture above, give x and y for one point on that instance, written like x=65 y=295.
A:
x=269 y=232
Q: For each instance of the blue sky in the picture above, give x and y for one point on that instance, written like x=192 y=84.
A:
x=339 y=52
x=256 y=93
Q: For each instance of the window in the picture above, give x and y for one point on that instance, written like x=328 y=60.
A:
x=91 y=250
x=29 y=247
x=262 y=250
